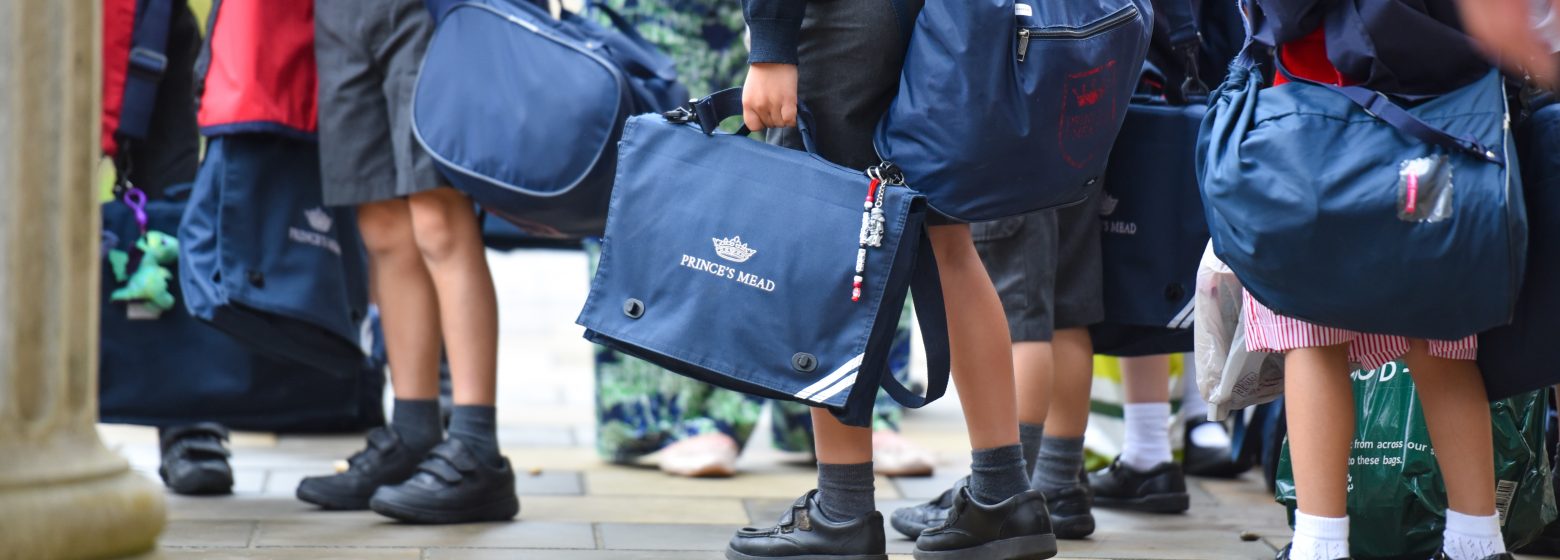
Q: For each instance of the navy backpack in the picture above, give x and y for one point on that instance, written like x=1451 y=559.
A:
x=523 y=112
x=1335 y=205
x=1523 y=356
x=265 y=261
x=1006 y=107
x=730 y=261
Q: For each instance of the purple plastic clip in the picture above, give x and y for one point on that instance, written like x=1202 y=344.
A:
x=136 y=199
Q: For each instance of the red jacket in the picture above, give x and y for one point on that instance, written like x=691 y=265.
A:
x=262 y=76
x=118 y=23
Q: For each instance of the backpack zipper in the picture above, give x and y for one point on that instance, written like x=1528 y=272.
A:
x=1121 y=17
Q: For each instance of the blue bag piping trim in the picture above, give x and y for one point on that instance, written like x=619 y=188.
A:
x=595 y=161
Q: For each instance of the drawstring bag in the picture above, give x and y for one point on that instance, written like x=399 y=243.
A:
x=759 y=269
x=523 y=112
x=1009 y=107
x=264 y=261
x=1340 y=207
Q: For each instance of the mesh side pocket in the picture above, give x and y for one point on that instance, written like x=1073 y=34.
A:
x=1424 y=189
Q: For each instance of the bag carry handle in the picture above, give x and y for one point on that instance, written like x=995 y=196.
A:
x=932 y=316
x=1377 y=105
x=1186 y=41
x=715 y=108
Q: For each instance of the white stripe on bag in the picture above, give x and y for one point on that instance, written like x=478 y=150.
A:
x=1184 y=318
x=828 y=380
x=835 y=390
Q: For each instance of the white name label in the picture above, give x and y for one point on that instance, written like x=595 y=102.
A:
x=1024 y=9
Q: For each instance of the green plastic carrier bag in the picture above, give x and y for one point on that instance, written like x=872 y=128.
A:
x=1397 y=500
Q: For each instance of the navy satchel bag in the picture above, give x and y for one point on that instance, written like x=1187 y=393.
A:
x=523 y=112
x=1335 y=205
x=263 y=260
x=736 y=262
x=1009 y=107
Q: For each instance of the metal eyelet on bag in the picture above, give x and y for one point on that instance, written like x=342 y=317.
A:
x=1174 y=292
x=256 y=279
x=804 y=362
x=634 y=308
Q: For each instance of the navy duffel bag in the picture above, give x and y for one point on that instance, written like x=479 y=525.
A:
x=1335 y=205
x=731 y=261
x=1008 y=107
x=523 y=112
x=263 y=260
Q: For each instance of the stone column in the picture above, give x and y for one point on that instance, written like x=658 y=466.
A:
x=62 y=494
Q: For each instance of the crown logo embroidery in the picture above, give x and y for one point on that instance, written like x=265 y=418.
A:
x=1108 y=205
x=318 y=219
x=733 y=249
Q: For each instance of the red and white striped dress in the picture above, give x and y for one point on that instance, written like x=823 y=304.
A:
x=1267 y=331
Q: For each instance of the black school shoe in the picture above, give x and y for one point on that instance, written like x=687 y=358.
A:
x=1161 y=489
x=805 y=533
x=1071 y=515
x=1502 y=556
x=1284 y=555
x=194 y=459
x=387 y=460
x=1210 y=462
x=1016 y=529
x=452 y=485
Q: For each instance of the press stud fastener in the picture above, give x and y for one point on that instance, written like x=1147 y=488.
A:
x=633 y=308
x=804 y=362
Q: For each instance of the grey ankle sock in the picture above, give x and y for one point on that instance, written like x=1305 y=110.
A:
x=1029 y=436
x=845 y=492
x=1059 y=463
x=477 y=427
x=417 y=423
x=997 y=474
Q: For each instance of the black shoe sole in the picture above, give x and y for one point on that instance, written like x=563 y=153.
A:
x=502 y=510
x=734 y=555
x=1036 y=547
x=1077 y=527
x=333 y=502
x=200 y=483
x=1152 y=503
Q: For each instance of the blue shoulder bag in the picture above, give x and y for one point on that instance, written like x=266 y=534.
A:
x=523 y=112
x=1009 y=107
x=756 y=268
x=1340 y=207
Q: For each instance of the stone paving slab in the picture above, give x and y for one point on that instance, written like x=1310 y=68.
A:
x=385 y=533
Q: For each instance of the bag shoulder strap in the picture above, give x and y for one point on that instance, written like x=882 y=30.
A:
x=148 y=62
x=926 y=288
x=1377 y=105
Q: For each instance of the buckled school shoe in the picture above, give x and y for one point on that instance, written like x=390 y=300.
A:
x=1070 y=509
x=805 y=533
x=386 y=460
x=194 y=459
x=1016 y=529
x=452 y=485
x=1161 y=489
x=1213 y=460
x=1502 y=556
x=1284 y=555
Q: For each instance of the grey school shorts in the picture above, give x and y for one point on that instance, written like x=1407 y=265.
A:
x=1047 y=269
x=369 y=54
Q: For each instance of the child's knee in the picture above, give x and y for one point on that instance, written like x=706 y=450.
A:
x=385 y=226
x=443 y=224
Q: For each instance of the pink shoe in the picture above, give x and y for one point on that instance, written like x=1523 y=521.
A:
x=707 y=456
x=895 y=455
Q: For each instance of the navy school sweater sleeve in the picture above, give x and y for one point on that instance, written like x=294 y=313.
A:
x=775 y=27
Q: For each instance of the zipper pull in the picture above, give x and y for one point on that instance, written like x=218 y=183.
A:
x=1023 y=43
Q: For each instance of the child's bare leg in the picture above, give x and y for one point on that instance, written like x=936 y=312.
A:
x=1457 y=413
x=1033 y=365
x=1059 y=465
x=450 y=241
x=408 y=307
x=1146 y=381
x=1319 y=405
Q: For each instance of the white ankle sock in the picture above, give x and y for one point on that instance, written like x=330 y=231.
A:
x=1472 y=537
x=1320 y=538
x=1148 y=435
